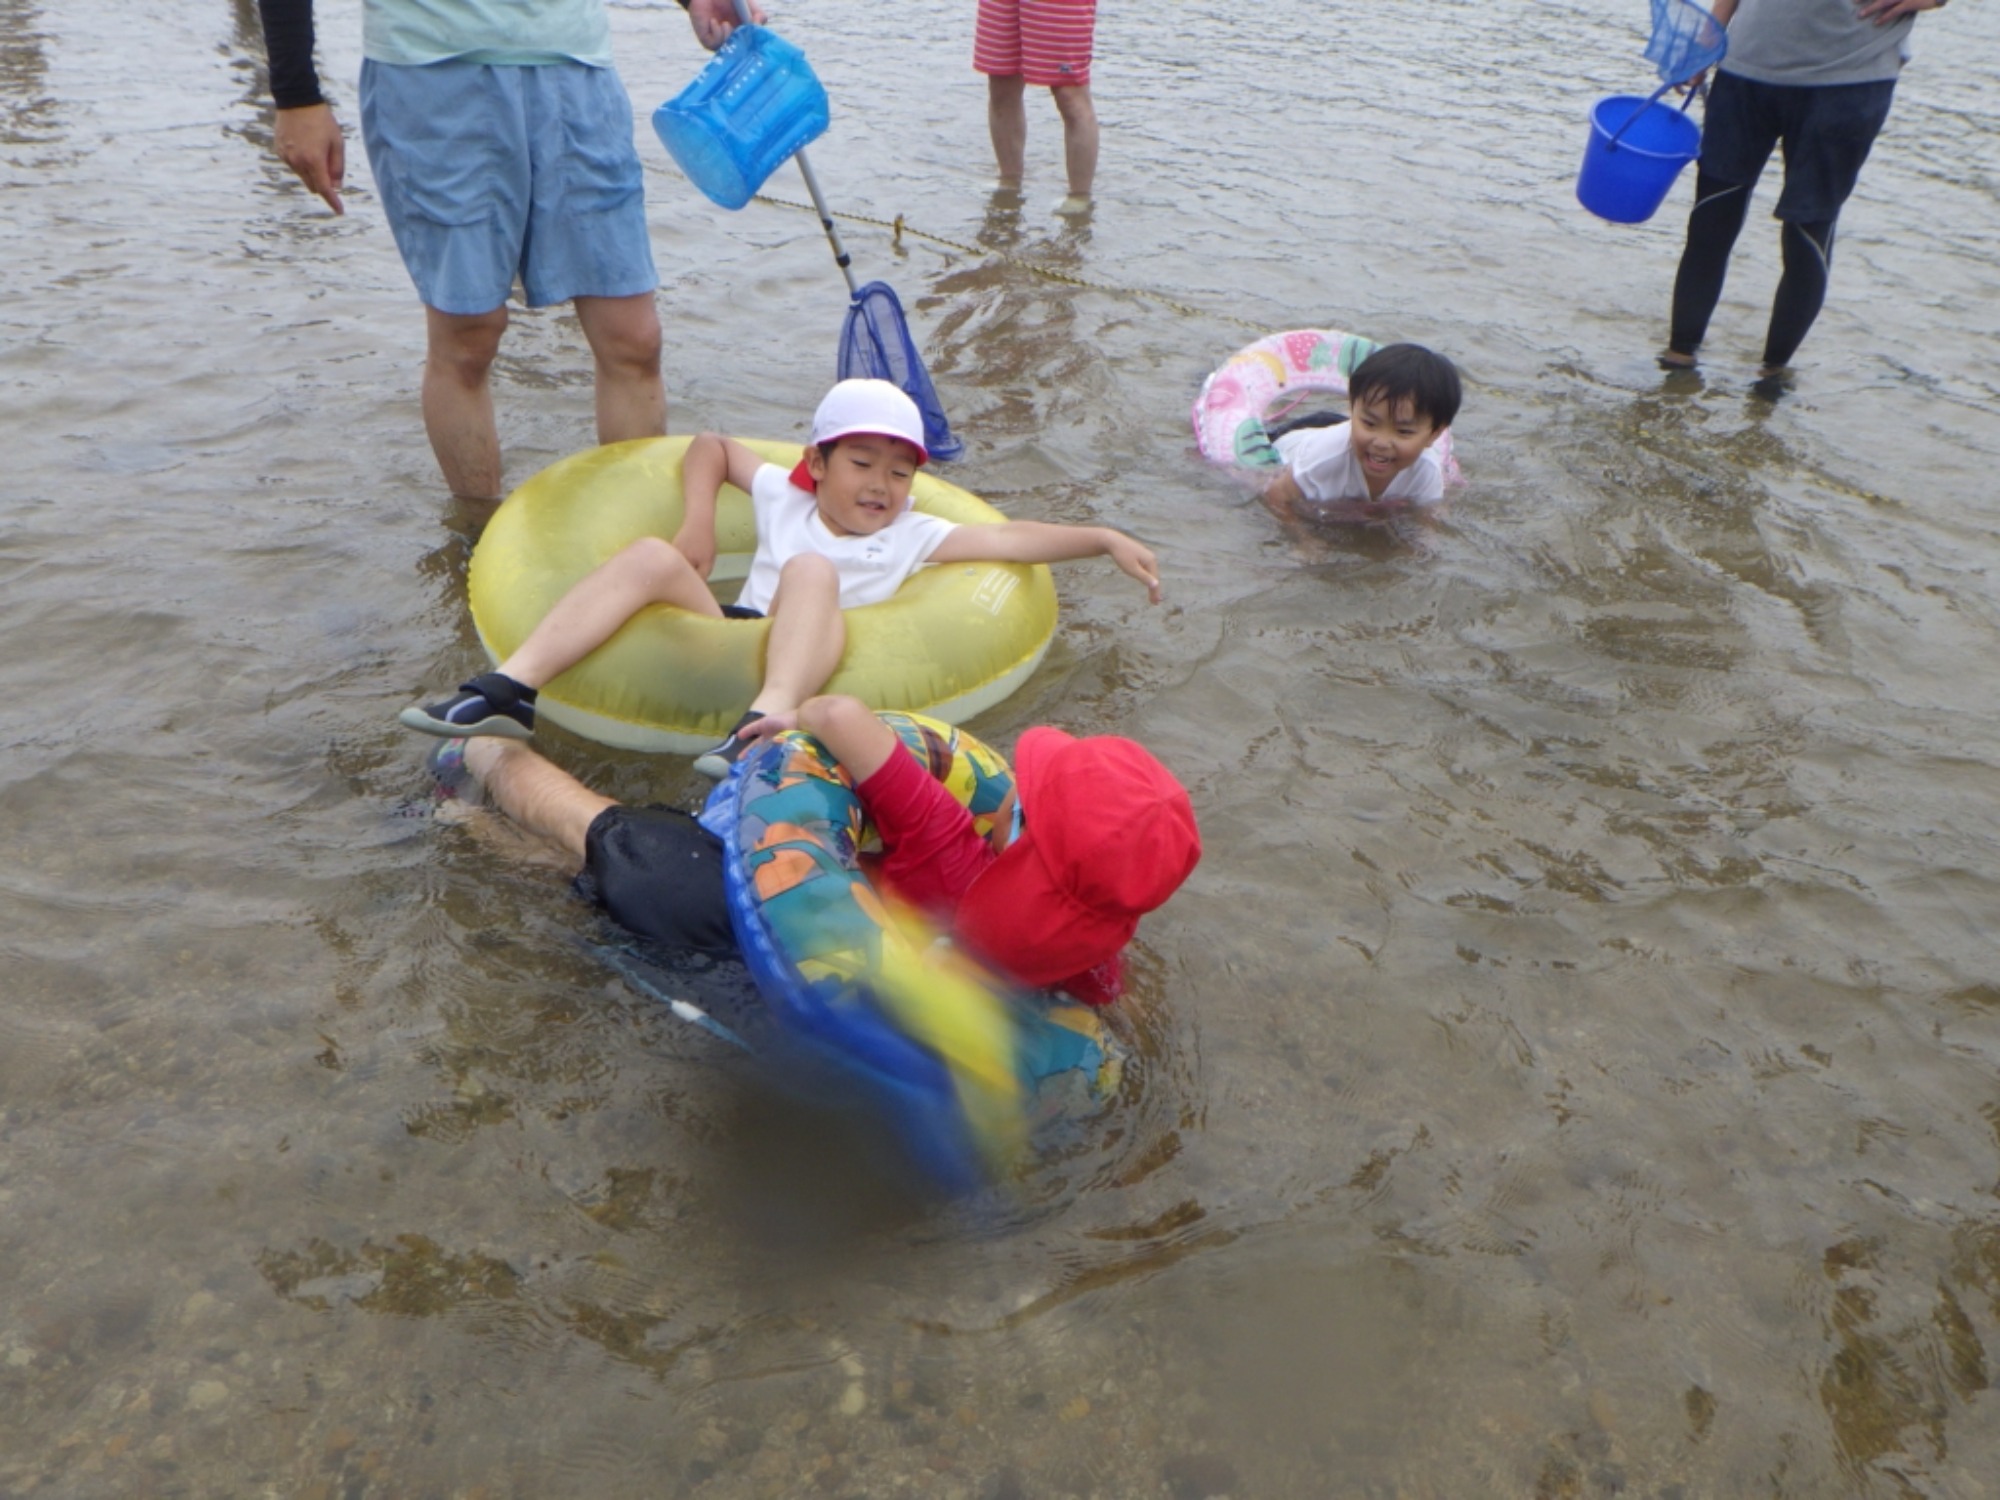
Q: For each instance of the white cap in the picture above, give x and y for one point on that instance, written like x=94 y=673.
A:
x=875 y=407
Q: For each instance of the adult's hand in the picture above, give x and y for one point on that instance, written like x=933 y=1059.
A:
x=713 y=20
x=1882 y=12
x=310 y=143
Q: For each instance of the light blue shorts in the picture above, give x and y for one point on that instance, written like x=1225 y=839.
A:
x=490 y=172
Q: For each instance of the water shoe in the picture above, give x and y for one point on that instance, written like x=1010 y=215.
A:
x=489 y=704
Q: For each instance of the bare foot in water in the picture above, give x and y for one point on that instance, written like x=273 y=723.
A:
x=1673 y=359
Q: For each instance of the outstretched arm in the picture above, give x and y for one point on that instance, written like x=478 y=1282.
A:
x=1048 y=541
x=308 y=136
x=710 y=459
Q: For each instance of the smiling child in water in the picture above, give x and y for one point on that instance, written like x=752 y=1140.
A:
x=1379 y=460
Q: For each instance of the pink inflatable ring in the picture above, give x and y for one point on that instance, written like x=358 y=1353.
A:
x=1279 y=375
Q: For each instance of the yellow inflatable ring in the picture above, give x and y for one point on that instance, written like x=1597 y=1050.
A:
x=956 y=639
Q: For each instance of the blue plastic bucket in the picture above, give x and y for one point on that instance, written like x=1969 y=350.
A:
x=1626 y=181
x=755 y=103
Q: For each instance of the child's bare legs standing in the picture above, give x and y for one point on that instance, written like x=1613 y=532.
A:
x=1046 y=43
x=1007 y=120
x=1079 y=117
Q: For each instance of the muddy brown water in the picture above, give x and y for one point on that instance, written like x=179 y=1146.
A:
x=1572 y=1070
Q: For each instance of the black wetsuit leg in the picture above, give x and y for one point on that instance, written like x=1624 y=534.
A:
x=1283 y=425
x=1713 y=224
x=1808 y=252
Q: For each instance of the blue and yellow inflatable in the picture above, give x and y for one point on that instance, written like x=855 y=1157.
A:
x=957 y=1062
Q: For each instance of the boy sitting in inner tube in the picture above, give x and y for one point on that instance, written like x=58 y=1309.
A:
x=1380 y=458
x=1095 y=834
x=835 y=533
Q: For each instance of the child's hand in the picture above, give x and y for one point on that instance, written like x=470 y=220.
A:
x=769 y=725
x=1137 y=560
x=697 y=545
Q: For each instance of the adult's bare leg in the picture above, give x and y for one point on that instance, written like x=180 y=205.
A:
x=1007 y=121
x=458 y=399
x=808 y=634
x=1079 y=117
x=624 y=335
x=648 y=571
x=535 y=793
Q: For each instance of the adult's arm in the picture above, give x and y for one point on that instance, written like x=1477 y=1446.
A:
x=308 y=137
x=288 y=43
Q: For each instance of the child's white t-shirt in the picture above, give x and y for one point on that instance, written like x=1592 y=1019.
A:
x=1324 y=467
x=871 y=567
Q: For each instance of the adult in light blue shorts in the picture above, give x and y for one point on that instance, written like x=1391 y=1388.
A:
x=501 y=142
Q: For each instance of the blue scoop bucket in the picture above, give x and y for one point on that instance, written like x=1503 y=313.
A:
x=754 y=104
x=1637 y=148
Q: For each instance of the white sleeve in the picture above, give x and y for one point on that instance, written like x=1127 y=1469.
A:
x=768 y=486
x=1318 y=457
x=1426 y=478
x=926 y=535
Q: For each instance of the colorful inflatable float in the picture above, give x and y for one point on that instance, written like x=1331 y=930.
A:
x=962 y=1067
x=955 y=640
x=1280 y=375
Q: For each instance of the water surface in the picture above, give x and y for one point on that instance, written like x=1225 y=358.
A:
x=1570 y=1072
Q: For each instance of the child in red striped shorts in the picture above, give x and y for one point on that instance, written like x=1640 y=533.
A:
x=1046 y=43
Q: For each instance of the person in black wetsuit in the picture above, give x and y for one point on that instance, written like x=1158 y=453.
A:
x=1818 y=76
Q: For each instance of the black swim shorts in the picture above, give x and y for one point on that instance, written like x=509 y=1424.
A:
x=1827 y=130
x=658 y=873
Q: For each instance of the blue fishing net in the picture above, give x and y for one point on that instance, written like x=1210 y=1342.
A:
x=1686 y=39
x=875 y=344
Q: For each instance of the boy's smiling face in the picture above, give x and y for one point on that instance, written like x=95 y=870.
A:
x=864 y=483
x=1386 y=439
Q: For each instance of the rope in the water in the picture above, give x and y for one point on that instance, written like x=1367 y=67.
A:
x=898 y=227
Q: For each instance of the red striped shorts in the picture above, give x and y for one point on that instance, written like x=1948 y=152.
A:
x=1047 y=42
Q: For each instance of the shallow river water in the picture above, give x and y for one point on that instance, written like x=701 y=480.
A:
x=1573 y=1070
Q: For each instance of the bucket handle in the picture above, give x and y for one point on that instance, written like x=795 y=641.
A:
x=1652 y=99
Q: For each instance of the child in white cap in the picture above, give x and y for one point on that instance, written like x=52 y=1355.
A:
x=835 y=533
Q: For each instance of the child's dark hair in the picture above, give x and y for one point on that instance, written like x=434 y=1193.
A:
x=1398 y=371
